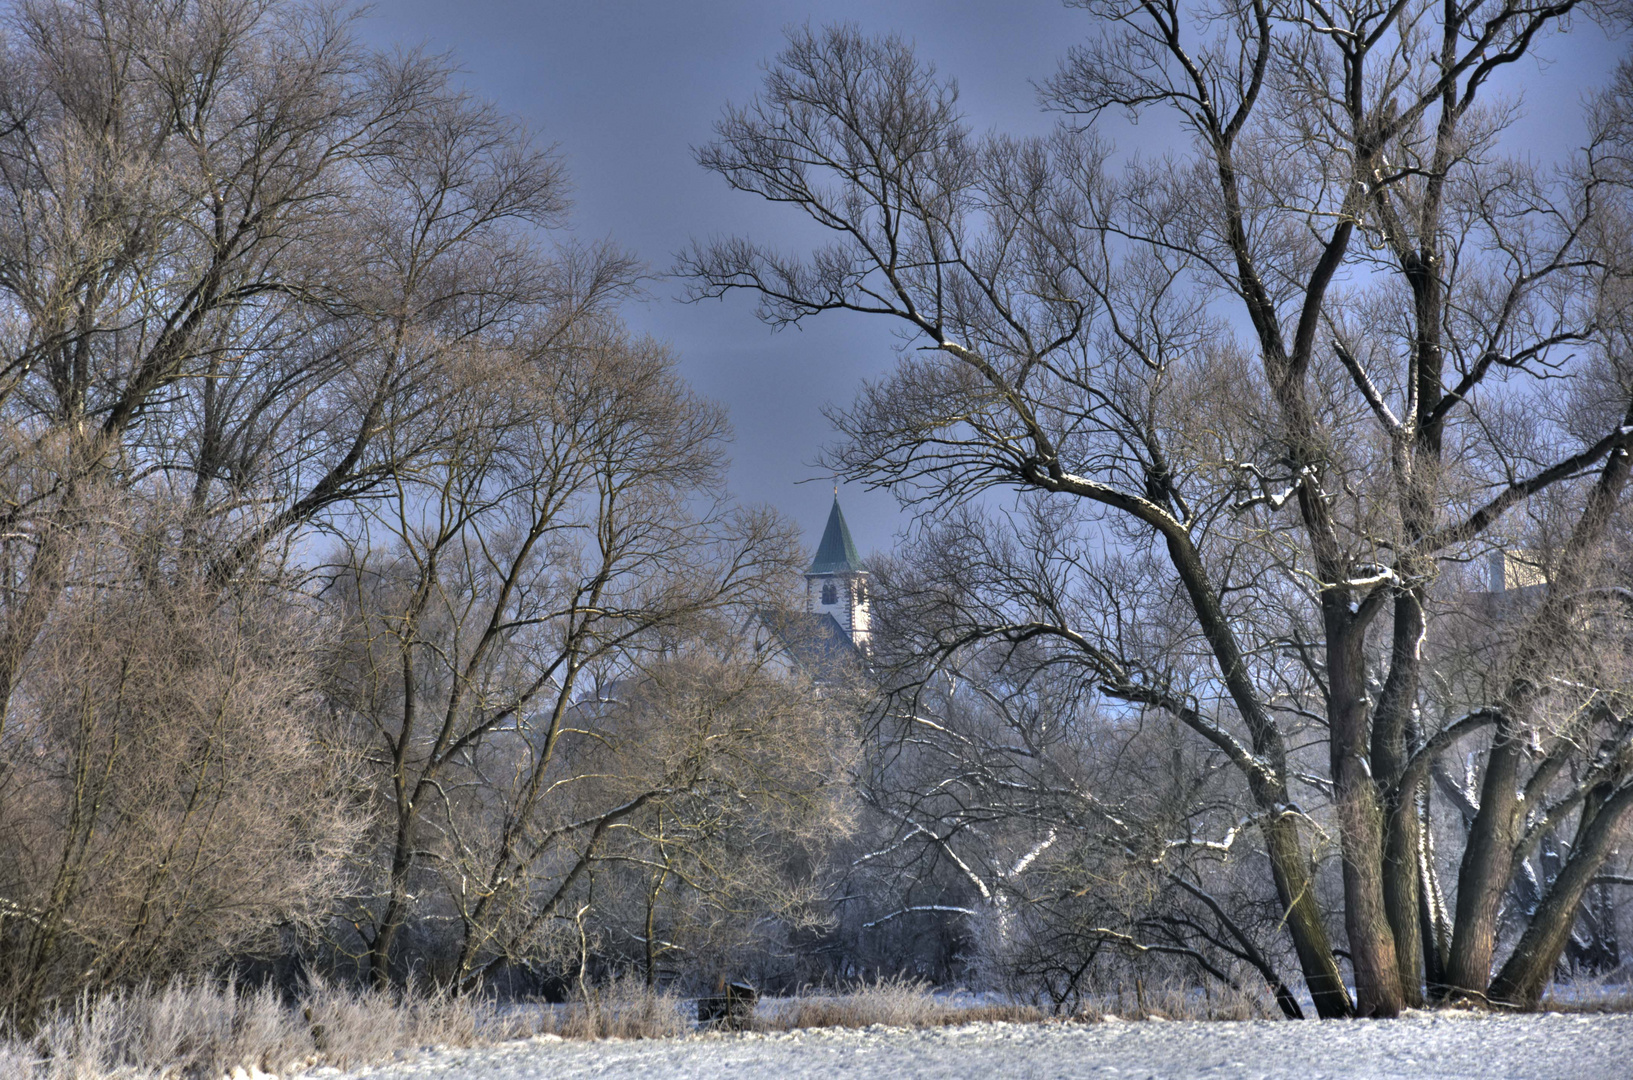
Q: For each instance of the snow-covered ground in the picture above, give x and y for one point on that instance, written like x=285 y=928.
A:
x=1418 y=1047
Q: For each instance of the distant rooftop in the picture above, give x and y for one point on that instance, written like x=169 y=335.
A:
x=837 y=552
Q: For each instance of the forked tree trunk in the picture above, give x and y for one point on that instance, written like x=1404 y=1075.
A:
x=1401 y=887
x=1392 y=734
x=1488 y=861
x=1435 y=934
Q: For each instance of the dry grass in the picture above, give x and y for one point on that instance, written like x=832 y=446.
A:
x=626 y=1009
x=350 y=1027
x=207 y=1030
x=910 y=1003
x=890 y=1002
x=1590 y=995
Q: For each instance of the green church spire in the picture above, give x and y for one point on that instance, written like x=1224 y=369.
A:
x=837 y=552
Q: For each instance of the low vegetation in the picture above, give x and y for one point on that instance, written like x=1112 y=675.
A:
x=208 y=1029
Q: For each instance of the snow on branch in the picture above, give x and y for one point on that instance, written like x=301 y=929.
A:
x=1275 y=500
x=920 y=907
x=1037 y=849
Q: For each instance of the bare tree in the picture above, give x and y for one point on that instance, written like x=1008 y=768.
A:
x=235 y=247
x=572 y=533
x=748 y=770
x=1408 y=300
x=244 y=263
x=1069 y=831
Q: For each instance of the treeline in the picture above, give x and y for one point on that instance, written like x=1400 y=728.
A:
x=371 y=607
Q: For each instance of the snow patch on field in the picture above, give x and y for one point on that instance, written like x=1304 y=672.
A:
x=1420 y=1046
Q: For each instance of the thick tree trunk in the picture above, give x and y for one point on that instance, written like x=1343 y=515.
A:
x=1360 y=824
x=1436 y=931
x=1400 y=891
x=1297 y=894
x=1487 y=866
x=1488 y=861
x=1392 y=734
x=1371 y=941
x=1528 y=969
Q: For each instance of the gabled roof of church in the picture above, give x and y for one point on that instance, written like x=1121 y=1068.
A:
x=837 y=552
x=815 y=642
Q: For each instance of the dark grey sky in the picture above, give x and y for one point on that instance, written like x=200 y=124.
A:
x=626 y=88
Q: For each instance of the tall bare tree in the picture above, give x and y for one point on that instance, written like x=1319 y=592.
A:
x=1290 y=372
x=571 y=533
x=235 y=245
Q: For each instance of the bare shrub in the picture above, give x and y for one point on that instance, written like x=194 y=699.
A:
x=168 y=804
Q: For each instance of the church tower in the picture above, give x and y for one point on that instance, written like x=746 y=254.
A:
x=836 y=584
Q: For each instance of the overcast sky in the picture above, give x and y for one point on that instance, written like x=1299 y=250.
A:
x=626 y=89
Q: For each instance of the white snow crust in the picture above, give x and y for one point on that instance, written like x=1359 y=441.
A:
x=1420 y=1046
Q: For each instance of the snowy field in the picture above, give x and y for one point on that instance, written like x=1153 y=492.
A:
x=1419 y=1047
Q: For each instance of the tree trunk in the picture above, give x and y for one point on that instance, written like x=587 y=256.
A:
x=1288 y=866
x=1528 y=969
x=1297 y=894
x=1392 y=734
x=1487 y=866
x=1436 y=933
x=1488 y=861
x=396 y=905
x=1360 y=823
x=1400 y=892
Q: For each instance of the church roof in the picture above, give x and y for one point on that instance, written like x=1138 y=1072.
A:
x=816 y=643
x=837 y=552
